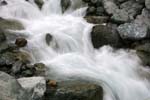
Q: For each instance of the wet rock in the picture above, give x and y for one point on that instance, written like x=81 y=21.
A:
x=109 y=6
x=147 y=4
x=36 y=86
x=97 y=19
x=21 y=42
x=105 y=35
x=133 y=31
x=65 y=5
x=120 y=16
x=39 y=3
x=10 y=24
x=74 y=90
x=11 y=89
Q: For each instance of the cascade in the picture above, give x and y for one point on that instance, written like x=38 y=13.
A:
x=70 y=54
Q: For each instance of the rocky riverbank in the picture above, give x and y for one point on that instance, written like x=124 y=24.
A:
x=127 y=24
x=118 y=23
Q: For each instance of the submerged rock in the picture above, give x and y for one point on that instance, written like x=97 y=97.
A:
x=11 y=89
x=105 y=35
x=74 y=90
x=36 y=86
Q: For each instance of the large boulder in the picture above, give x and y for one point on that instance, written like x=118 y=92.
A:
x=36 y=86
x=133 y=31
x=11 y=89
x=105 y=35
x=74 y=90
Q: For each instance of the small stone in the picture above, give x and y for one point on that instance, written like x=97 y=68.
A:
x=21 y=42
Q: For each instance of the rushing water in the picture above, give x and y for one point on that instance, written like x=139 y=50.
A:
x=70 y=54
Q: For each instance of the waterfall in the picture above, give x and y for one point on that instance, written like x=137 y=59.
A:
x=70 y=54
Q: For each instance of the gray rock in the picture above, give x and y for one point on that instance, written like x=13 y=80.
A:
x=109 y=6
x=74 y=90
x=132 y=8
x=120 y=16
x=147 y=4
x=133 y=31
x=105 y=35
x=11 y=89
x=144 y=18
x=36 y=86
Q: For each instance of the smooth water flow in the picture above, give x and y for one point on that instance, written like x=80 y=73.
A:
x=70 y=54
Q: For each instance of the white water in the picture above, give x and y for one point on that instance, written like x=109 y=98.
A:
x=71 y=55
